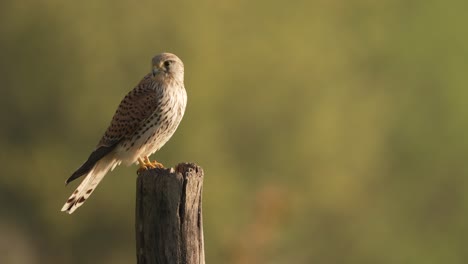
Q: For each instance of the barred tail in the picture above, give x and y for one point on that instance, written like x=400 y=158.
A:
x=89 y=183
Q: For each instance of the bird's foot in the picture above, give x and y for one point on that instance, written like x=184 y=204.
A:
x=155 y=164
x=145 y=165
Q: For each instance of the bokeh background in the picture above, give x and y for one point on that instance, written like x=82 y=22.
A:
x=329 y=131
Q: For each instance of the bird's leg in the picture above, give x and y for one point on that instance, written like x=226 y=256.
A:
x=144 y=165
x=153 y=163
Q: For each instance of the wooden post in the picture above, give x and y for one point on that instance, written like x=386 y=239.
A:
x=169 y=226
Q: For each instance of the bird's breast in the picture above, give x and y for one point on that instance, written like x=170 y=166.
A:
x=158 y=128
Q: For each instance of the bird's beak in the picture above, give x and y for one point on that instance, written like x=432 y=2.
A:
x=155 y=71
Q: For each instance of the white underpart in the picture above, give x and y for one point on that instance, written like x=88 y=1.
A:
x=176 y=100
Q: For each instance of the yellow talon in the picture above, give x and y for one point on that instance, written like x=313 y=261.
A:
x=154 y=164
x=146 y=164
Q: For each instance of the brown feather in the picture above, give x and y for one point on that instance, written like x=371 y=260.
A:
x=136 y=106
x=133 y=110
x=89 y=164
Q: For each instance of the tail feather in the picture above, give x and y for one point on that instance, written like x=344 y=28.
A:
x=89 y=184
x=97 y=155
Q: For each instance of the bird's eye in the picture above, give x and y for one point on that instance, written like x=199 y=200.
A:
x=167 y=63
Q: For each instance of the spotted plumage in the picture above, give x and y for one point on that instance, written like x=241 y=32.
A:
x=144 y=121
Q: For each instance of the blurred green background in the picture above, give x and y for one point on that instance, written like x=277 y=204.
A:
x=329 y=131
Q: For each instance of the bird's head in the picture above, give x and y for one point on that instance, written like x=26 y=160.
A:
x=168 y=65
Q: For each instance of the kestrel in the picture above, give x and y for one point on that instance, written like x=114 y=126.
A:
x=144 y=121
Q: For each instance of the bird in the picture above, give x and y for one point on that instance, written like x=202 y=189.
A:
x=144 y=121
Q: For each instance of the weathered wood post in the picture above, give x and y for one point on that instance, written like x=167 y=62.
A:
x=169 y=226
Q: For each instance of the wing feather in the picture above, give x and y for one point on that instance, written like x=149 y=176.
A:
x=95 y=156
x=137 y=106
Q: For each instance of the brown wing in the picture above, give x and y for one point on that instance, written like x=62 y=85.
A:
x=133 y=110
